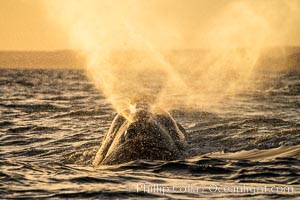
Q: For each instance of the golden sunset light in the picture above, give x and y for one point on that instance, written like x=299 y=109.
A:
x=167 y=99
x=34 y=25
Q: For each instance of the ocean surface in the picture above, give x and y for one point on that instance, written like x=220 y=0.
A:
x=52 y=123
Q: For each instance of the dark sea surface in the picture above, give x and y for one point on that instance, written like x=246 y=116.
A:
x=52 y=123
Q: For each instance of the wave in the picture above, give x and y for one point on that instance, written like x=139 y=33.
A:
x=47 y=107
x=255 y=154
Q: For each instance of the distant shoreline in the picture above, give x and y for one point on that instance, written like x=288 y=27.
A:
x=63 y=59
x=274 y=57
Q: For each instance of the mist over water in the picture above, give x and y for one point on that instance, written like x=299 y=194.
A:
x=141 y=48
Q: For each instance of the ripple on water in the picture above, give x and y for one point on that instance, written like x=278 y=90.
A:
x=52 y=122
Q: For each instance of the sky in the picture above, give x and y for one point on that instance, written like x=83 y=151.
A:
x=25 y=26
x=36 y=25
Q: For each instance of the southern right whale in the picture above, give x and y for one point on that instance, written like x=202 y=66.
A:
x=142 y=135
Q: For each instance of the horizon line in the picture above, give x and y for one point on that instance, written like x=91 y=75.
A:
x=193 y=48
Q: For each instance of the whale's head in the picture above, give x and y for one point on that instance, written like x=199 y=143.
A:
x=141 y=135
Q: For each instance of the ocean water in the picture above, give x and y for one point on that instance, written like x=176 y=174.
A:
x=52 y=123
